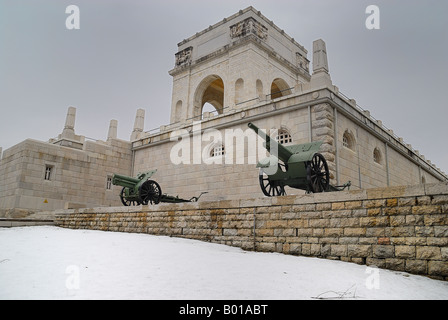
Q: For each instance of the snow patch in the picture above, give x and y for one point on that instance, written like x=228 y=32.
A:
x=53 y=263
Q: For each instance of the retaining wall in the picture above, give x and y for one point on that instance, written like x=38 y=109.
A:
x=398 y=228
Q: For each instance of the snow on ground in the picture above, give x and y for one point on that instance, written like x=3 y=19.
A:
x=55 y=263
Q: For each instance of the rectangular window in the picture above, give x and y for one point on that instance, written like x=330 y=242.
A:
x=48 y=172
x=109 y=183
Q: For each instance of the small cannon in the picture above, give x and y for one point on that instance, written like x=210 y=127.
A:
x=297 y=166
x=142 y=190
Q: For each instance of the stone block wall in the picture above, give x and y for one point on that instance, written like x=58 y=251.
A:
x=398 y=228
x=78 y=177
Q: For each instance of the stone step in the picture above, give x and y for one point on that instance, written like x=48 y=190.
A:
x=8 y=223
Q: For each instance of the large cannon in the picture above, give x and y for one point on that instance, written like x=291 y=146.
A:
x=139 y=190
x=142 y=190
x=297 y=166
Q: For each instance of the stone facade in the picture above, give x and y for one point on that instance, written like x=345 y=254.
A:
x=248 y=70
x=398 y=228
x=66 y=172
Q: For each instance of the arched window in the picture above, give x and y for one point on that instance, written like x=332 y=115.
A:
x=239 y=91
x=348 y=140
x=217 y=150
x=377 y=156
x=259 y=86
x=178 y=111
x=283 y=137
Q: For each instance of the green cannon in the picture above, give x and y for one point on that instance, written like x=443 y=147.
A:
x=142 y=190
x=297 y=166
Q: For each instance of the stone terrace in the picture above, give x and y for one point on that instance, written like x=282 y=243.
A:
x=398 y=228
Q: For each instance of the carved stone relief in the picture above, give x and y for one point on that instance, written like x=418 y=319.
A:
x=249 y=26
x=184 y=57
x=302 y=62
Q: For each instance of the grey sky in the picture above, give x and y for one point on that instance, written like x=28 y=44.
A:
x=119 y=61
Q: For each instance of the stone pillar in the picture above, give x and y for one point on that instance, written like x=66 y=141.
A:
x=69 y=128
x=138 y=124
x=321 y=76
x=323 y=130
x=112 y=133
x=320 y=60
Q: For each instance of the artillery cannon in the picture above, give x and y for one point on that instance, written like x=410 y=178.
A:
x=142 y=190
x=139 y=190
x=297 y=166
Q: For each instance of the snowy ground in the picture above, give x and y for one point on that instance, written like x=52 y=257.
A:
x=55 y=263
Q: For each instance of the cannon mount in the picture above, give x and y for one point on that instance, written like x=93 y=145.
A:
x=143 y=191
x=298 y=166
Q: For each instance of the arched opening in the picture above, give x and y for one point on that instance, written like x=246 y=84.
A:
x=348 y=140
x=208 y=107
x=239 y=91
x=279 y=88
x=211 y=92
x=178 y=111
x=377 y=156
x=259 y=86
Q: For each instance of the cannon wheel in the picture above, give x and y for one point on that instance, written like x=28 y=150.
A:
x=126 y=202
x=270 y=188
x=150 y=192
x=318 y=175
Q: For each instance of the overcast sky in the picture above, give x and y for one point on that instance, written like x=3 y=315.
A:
x=118 y=61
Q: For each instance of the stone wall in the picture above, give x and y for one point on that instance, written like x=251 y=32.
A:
x=78 y=177
x=398 y=228
x=316 y=115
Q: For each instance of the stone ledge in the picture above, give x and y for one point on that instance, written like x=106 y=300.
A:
x=8 y=223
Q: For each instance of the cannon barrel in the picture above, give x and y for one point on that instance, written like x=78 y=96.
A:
x=124 y=181
x=282 y=153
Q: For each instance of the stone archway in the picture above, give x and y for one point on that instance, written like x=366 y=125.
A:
x=210 y=90
x=279 y=88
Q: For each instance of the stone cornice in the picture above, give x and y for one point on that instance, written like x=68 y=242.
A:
x=250 y=38
x=236 y=15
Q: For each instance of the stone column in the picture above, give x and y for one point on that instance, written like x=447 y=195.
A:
x=69 y=128
x=320 y=60
x=323 y=130
x=112 y=133
x=138 y=124
x=321 y=76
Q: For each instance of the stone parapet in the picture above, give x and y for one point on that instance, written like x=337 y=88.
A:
x=398 y=228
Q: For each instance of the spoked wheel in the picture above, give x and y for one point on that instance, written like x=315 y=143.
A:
x=150 y=192
x=126 y=202
x=270 y=188
x=318 y=175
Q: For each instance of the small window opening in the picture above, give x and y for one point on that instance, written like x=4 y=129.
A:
x=109 y=183
x=48 y=172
